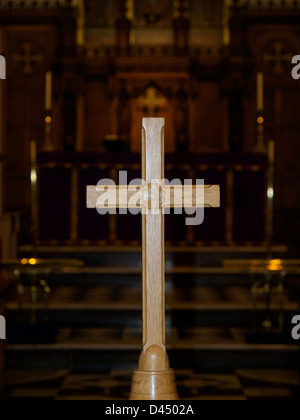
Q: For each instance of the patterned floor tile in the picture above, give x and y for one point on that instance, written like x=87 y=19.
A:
x=27 y=378
x=34 y=393
x=201 y=385
x=268 y=393
x=222 y=398
x=115 y=385
x=274 y=376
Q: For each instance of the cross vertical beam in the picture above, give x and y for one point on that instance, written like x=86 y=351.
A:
x=154 y=380
x=153 y=238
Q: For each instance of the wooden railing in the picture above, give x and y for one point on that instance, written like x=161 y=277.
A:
x=9 y=231
x=32 y=4
x=270 y=5
x=7 y=283
x=201 y=53
x=63 y=218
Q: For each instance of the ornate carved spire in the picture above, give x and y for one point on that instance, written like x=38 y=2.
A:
x=123 y=26
x=182 y=9
x=122 y=9
x=181 y=26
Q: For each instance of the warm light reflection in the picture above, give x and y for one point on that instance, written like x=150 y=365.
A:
x=32 y=261
x=260 y=120
x=48 y=120
x=270 y=192
x=33 y=175
x=275 y=265
x=24 y=261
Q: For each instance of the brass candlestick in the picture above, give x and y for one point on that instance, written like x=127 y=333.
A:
x=34 y=197
x=270 y=198
x=48 y=145
x=260 y=146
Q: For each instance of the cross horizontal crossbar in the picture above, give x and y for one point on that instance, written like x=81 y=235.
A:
x=153 y=196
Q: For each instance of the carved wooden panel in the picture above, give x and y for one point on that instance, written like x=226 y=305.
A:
x=29 y=51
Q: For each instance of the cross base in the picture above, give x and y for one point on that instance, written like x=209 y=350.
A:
x=154 y=380
x=155 y=386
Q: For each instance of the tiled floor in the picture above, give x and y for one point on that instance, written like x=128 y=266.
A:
x=212 y=337
x=115 y=385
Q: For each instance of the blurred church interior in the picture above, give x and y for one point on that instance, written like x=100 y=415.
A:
x=80 y=76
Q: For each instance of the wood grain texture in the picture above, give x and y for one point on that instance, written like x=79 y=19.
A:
x=153 y=386
x=153 y=239
x=112 y=197
x=186 y=196
x=153 y=195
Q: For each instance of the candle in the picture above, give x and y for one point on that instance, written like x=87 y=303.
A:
x=226 y=36
x=260 y=92
x=48 y=98
x=32 y=151
x=271 y=151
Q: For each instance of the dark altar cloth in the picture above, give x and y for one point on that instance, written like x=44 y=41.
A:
x=96 y=158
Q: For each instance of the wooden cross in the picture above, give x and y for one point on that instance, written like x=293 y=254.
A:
x=154 y=379
x=278 y=57
x=28 y=58
x=152 y=100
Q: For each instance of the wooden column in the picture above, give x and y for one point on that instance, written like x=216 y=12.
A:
x=181 y=28
x=1 y=351
x=2 y=131
x=80 y=122
x=123 y=28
